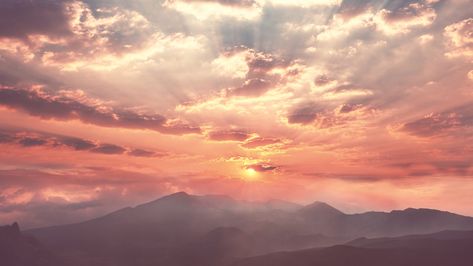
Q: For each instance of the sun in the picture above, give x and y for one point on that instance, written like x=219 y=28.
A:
x=250 y=171
x=250 y=174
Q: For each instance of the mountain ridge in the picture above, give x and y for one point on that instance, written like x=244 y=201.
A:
x=453 y=248
x=182 y=223
x=314 y=207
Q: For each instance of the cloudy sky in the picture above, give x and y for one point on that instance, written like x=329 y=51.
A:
x=366 y=104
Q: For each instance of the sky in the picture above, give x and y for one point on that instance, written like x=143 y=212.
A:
x=366 y=105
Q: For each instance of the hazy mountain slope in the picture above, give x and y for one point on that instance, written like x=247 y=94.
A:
x=172 y=220
x=157 y=231
x=216 y=248
x=162 y=230
x=408 y=221
x=322 y=218
x=439 y=249
x=413 y=241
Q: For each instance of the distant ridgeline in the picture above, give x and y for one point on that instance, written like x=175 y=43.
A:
x=187 y=230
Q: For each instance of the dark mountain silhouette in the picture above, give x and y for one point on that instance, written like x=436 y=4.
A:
x=320 y=209
x=444 y=248
x=19 y=250
x=413 y=241
x=408 y=221
x=322 y=218
x=183 y=229
x=156 y=231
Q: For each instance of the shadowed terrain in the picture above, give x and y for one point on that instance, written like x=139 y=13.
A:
x=19 y=250
x=454 y=248
x=183 y=229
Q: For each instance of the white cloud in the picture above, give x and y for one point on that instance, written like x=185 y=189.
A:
x=459 y=38
x=231 y=65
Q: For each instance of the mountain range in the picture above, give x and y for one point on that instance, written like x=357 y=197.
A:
x=182 y=229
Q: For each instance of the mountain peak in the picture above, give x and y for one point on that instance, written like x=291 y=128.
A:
x=180 y=197
x=321 y=208
x=320 y=204
x=180 y=194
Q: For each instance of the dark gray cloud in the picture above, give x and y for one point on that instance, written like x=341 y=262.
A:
x=145 y=153
x=258 y=79
x=77 y=143
x=20 y=18
x=304 y=114
x=34 y=139
x=450 y=121
x=50 y=106
x=231 y=135
x=108 y=149
x=6 y=138
x=347 y=108
x=323 y=115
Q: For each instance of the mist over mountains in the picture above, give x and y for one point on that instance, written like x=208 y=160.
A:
x=183 y=229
